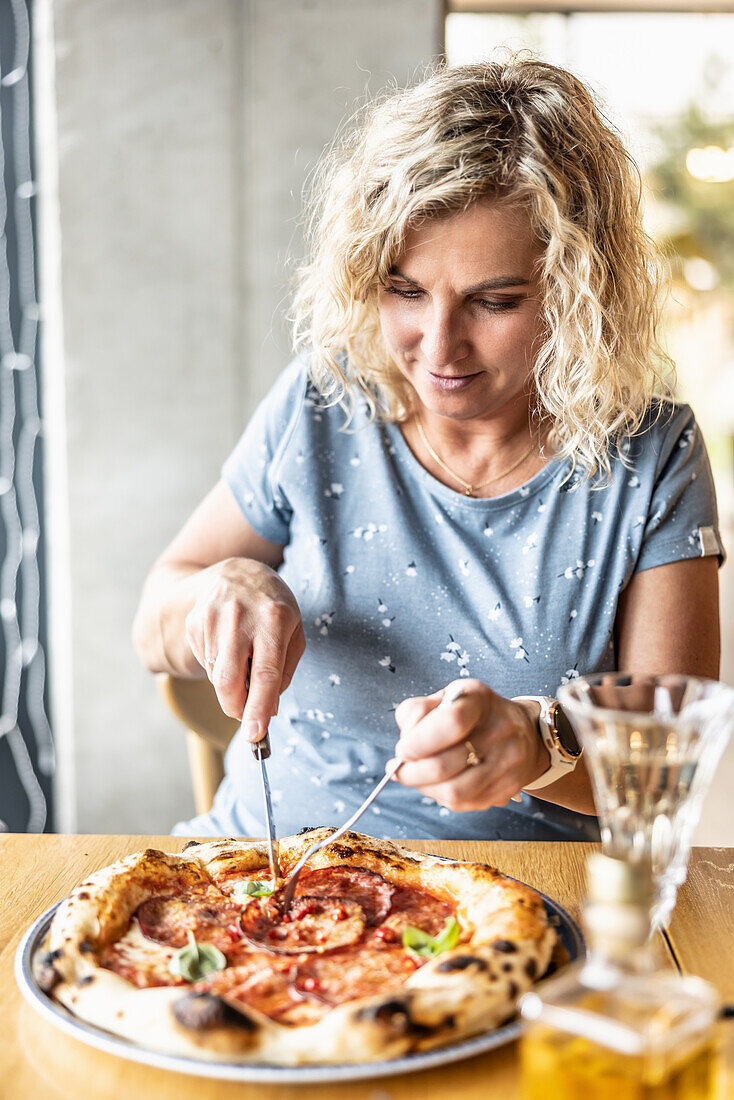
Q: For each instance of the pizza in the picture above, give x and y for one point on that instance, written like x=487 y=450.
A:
x=382 y=952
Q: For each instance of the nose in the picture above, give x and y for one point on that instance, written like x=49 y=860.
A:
x=443 y=341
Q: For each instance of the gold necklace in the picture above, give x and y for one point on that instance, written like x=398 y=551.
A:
x=469 y=490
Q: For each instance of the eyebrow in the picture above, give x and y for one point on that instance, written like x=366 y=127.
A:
x=499 y=283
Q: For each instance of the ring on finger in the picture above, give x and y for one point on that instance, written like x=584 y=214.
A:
x=472 y=756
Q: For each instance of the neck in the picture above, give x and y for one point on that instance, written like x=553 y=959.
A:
x=480 y=456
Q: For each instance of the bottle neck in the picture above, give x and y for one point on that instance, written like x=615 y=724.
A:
x=618 y=936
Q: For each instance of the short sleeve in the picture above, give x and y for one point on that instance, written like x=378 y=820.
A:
x=252 y=470
x=682 y=519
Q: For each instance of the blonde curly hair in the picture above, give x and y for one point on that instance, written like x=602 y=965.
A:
x=516 y=130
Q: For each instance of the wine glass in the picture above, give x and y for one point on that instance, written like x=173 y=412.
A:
x=652 y=744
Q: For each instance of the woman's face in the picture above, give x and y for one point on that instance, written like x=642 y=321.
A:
x=461 y=311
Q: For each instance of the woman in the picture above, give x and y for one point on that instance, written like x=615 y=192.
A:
x=506 y=503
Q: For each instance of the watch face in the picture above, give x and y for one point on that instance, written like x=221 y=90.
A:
x=565 y=732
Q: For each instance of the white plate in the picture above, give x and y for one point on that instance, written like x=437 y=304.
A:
x=56 y=1014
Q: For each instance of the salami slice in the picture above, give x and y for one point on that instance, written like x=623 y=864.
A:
x=371 y=891
x=206 y=913
x=313 y=924
x=262 y=982
x=344 y=975
x=415 y=907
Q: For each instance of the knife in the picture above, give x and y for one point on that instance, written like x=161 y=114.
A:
x=261 y=751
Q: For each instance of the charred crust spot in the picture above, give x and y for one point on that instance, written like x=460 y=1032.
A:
x=206 y=1011
x=531 y=968
x=460 y=962
x=191 y=844
x=83 y=895
x=342 y=851
x=313 y=828
x=87 y=979
x=86 y=947
x=47 y=976
x=397 y=863
x=505 y=947
x=507 y=967
x=390 y=861
x=512 y=990
x=385 y=1010
x=153 y=853
x=394 y=1014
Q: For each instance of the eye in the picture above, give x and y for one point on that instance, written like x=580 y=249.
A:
x=504 y=305
x=409 y=293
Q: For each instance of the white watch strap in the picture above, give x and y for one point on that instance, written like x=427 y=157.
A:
x=559 y=765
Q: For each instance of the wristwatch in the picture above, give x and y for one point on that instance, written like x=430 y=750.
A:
x=558 y=738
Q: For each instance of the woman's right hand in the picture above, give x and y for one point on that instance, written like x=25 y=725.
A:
x=245 y=615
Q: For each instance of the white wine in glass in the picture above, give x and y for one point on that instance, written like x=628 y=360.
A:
x=652 y=744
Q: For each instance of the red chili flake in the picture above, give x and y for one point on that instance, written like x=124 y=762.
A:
x=385 y=934
x=286 y=919
x=273 y=934
x=311 y=984
x=234 y=931
x=304 y=911
x=339 y=913
x=320 y=937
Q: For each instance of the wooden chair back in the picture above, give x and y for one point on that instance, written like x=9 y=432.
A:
x=209 y=732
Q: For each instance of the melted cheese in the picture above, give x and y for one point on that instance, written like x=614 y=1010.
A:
x=142 y=955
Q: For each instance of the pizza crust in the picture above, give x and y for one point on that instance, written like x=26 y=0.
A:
x=506 y=943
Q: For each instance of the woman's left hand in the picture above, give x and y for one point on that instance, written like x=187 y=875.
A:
x=503 y=741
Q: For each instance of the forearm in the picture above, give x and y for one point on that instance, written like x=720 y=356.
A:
x=159 y=629
x=572 y=791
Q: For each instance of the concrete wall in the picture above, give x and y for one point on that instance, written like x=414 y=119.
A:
x=175 y=137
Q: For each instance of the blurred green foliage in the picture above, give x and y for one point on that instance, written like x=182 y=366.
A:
x=708 y=208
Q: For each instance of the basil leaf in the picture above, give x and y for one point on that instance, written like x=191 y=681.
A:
x=415 y=939
x=194 y=961
x=420 y=943
x=252 y=889
x=446 y=939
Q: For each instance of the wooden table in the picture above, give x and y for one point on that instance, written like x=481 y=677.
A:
x=38 y=1061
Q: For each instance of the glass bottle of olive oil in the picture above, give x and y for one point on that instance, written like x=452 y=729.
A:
x=614 y=1027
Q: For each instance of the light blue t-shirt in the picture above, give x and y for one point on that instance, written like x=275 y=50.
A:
x=405 y=584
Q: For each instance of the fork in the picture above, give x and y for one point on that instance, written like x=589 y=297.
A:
x=452 y=693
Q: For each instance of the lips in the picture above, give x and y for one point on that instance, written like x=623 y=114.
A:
x=450 y=383
x=452 y=377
